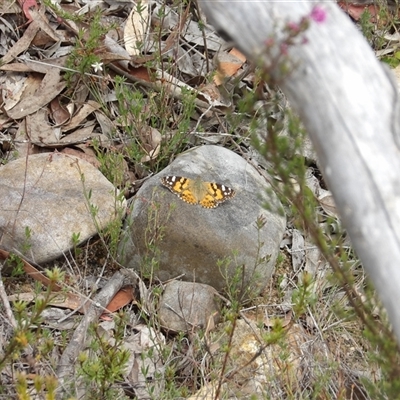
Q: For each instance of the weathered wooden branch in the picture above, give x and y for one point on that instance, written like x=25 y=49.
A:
x=66 y=368
x=349 y=106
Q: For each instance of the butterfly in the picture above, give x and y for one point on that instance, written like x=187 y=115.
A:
x=196 y=191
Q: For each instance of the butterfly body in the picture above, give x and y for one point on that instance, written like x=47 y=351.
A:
x=196 y=191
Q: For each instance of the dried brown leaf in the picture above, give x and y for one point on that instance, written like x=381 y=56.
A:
x=22 y=44
x=9 y=7
x=106 y=125
x=80 y=135
x=228 y=65
x=115 y=48
x=90 y=158
x=49 y=88
x=39 y=130
x=38 y=15
x=121 y=299
x=81 y=115
x=328 y=204
x=270 y=322
x=13 y=88
x=59 y=113
x=16 y=67
x=151 y=143
x=136 y=27
x=298 y=250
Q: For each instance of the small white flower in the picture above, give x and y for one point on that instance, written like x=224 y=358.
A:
x=97 y=66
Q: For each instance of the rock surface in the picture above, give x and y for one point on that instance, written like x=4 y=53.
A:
x=168 y=237
x=257 y=370
x=46 y=196
x=185 y=306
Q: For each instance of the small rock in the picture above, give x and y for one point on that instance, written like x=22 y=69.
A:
x=46 y=196
x=258 y=370
x=186 y=305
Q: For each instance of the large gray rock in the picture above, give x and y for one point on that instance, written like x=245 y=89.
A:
x=213 y=246
x=47 y=195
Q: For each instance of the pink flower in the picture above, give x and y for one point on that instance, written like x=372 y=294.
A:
x=318 y=14
x=304 y=40
x=270 y=42
x=284 y=49
x=293 y=27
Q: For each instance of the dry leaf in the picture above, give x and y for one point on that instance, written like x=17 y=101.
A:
x=9 y=7
x=67 y=300
x=297 y=252
x=228 y=65
x=113 y=46
x=328 y=204
x=49 y=88
x=14 y=86
x=211 y=92
x=22 y=44
x=90 y=158
x=80 y=135
x=145 y=363
x=26 y=6
x=356 y=10
x=59 y=113
x=270 y=322
x=39 y=131
x=136 y=27
x=39 y=16
x=141 y=73
x=152 y=143
x=121 y=299
x=82 y=114
x=106 y=125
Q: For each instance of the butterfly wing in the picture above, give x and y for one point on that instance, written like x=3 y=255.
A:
x=180 y=186
x=216 y=194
